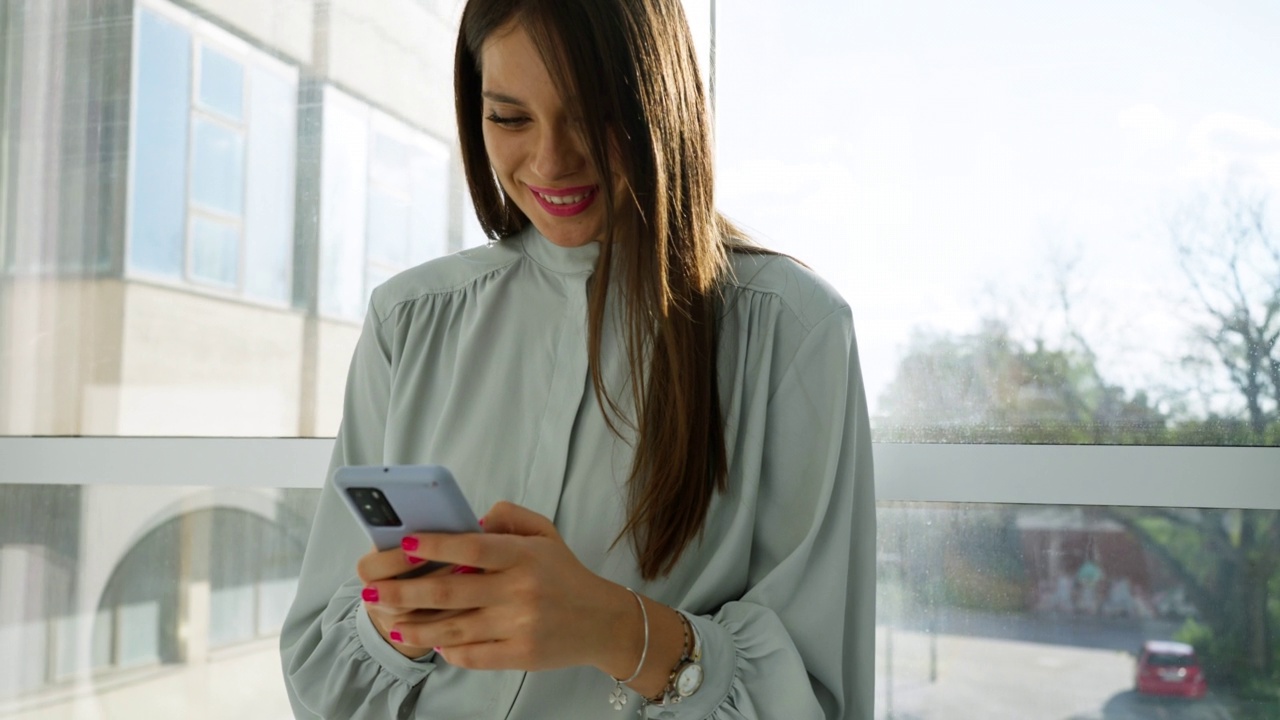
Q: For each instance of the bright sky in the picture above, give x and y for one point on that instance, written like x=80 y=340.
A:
x=928 y=158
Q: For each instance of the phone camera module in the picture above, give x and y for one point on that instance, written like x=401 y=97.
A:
x=374 y=507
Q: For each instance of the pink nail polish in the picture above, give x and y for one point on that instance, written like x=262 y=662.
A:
x=463 y=570
x=436 y=648
x=481 y=522
x=409 y=543
x=370 y=594
x=396 y=636
x=414 y=560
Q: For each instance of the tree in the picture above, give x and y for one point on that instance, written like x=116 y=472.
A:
x=1229 y=253
x=990 y=387
x=1230 y=256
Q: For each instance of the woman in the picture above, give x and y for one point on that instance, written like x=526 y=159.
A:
x=668 y=426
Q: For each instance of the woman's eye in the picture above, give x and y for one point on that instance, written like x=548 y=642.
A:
x=506 y=120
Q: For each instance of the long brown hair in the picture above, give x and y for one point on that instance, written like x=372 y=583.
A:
x=630 y=67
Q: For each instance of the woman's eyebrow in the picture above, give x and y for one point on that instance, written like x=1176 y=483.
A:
x=502 y=98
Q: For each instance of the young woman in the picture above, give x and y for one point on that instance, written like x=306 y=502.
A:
x=666 y=426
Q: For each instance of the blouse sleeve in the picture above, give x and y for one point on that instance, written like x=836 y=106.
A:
x=335 y=662
x=800 y=642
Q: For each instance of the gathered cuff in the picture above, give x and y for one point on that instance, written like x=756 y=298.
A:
x=747 y=659
x=409 y=670
x=349 y=653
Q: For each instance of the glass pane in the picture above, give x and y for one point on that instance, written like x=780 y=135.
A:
x=1038 y=229
x=215 y=252
x=389 y=161
x=273 y=125
x=150 y=580
x=429 y=222
x=217 y=172
x=221 y=83
x=162 y=111
x=388 y=228
x=1044 y=611
x=343 y=188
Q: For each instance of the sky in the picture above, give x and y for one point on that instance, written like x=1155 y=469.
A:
x=931 y=159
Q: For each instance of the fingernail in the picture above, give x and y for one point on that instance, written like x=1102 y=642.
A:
x=409 y=543
x=414 y=560
x=370 y=594
x=463 y=570
x=438 y=650
x=396 y=636
x=481 y=522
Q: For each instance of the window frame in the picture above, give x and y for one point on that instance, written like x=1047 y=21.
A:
x=1110 y=475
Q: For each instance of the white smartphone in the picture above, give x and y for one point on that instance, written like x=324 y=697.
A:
x=393 y=501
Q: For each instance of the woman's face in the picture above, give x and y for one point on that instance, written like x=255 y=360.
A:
x=535 y=144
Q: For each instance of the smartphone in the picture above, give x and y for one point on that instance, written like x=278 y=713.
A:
x=393 y=501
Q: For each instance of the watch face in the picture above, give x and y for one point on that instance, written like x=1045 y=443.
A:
x=689 y=680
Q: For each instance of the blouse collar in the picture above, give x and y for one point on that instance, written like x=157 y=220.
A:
x=558 y=259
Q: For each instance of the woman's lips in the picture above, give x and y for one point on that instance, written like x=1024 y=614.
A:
x=564 y=202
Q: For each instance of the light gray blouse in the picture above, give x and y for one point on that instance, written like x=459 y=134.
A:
x=478 y=361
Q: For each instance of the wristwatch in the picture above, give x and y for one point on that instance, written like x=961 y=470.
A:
x=686 y=677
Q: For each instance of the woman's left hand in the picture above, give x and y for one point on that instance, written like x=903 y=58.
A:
x=535 y=606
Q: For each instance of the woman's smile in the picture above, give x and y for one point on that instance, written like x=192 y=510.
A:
x=565 y=202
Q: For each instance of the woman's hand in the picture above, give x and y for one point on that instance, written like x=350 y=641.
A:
x=533 y=607
x=378 y=570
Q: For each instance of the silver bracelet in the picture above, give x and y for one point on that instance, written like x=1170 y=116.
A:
x=618 y=697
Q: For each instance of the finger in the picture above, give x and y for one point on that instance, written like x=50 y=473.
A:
x=512 y=519
x=495 y=655
x=446 y=630
x=389 y=617
x=384 y=564
x=439 y=592
x=468 y=550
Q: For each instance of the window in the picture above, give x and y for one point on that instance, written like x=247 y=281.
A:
x=195 y=202
x=213 y=163
x=395 y=186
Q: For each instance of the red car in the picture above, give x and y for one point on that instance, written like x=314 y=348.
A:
x=1170 y=668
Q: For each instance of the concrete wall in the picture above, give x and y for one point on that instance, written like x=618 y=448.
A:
x=284 y=25
x=399 y=55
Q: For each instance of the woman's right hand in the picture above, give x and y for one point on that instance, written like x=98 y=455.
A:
x=386 y=565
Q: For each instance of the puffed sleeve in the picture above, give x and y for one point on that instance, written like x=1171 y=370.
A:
x=800 y=642
x=335 y=663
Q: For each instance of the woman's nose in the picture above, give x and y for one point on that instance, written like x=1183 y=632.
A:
x=559 y=153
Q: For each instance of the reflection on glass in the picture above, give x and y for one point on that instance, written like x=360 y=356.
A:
x=429 y=219
x=389 y=161
x=174 y=575
x=217 y=167
x=215 y=249
x=221 y=83
x=269 y=207
x=160 y=146
x=344 y=182
x=388 y=228
x=1042 y=611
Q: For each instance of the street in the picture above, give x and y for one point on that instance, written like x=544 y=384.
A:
x=989 y=666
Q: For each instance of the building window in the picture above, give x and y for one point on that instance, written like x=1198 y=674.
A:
x=213 y=159
x=393 y=182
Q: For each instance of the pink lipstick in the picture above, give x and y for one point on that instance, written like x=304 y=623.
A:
x=565 y=202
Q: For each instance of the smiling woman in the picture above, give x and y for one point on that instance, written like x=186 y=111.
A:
x=666 y=424
x=536 y=144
